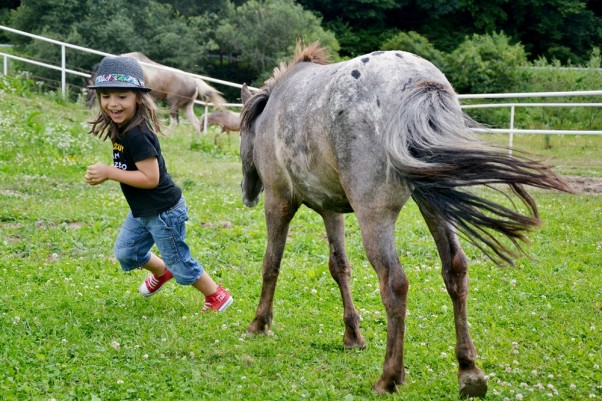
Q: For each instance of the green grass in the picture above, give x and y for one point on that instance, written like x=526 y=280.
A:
x=72 y=326
x=579 y=155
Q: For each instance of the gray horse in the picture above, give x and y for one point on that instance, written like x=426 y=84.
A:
x=364 y=136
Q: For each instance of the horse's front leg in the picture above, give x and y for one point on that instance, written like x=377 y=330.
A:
x=455 y=275
x=172 y=107
x=378 y=235
x=340 y=269
x=279 y=214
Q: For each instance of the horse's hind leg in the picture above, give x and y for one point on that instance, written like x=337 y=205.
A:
x=279 y=214
x=455 y=275
x=378 y=234
x=340 y=269
x=189 y=113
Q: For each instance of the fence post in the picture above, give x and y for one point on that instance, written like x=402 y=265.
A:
x=205 y=119
x=63 y=72
x=511 y=133
x=5 y=65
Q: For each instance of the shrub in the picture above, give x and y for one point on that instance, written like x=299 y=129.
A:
x=486 y=64
x=415 y=43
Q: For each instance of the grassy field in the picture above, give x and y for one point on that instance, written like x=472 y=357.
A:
x=72 y=326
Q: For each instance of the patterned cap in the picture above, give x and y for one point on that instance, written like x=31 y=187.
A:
x=119 y=73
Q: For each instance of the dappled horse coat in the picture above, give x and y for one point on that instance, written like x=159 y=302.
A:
x=364 y=136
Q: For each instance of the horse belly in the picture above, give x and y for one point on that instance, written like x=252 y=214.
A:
x=315 y=175
x=321 y=193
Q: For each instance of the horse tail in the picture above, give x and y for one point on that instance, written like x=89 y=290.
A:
x=430 y=144
x=209 y=93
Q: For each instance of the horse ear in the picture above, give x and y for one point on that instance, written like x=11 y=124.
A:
x=245 y=93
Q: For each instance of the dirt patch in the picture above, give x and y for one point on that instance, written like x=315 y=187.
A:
x=585 y=185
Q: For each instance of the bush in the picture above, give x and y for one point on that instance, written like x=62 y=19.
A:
x=486 y=64
x=415 y=43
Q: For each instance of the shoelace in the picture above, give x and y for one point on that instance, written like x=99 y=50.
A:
x=153 y=282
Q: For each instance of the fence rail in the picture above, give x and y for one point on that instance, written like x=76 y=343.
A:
x=511 y=130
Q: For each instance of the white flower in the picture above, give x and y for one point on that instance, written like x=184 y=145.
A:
x=115 y=345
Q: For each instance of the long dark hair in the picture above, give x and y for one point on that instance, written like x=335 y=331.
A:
x=146 y=116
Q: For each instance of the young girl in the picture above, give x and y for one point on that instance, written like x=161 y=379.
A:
x=128 y=115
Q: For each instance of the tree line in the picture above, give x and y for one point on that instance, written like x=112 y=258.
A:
x=481 y=45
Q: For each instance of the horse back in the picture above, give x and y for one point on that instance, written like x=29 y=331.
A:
x=320 y=133
x=165 y=83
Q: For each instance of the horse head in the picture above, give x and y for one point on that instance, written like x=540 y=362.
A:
x=251 y=181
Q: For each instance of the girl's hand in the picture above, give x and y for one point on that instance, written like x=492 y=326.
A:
x=97 y=174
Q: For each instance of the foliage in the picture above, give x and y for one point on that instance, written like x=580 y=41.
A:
x=191 y=8
x=486 y=64
x=415 y=43
x=265 y=32
x=74 y=327
x=564 y=29
x=544 y=76
x=359 y=25
x=20 y=84
x=254 y=36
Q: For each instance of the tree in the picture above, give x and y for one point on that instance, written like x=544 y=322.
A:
x=360 y=25
x=563 y=29
x=262 y=33
x=5 y=7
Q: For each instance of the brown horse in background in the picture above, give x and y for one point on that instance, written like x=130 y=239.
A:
x=177 y=88
x=228 y=120
x=363 y=136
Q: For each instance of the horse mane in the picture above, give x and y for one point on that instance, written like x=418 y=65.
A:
x=312 y=53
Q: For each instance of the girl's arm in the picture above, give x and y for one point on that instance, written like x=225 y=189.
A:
x=146 y=177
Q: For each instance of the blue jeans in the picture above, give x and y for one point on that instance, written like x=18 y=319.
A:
x=168 y=231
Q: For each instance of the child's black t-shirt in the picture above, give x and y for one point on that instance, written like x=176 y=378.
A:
x=140 y=144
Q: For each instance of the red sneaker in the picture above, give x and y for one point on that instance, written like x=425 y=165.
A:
x=218 y=301
x=153 y=284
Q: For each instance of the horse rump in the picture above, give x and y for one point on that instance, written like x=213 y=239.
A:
x=430 y=146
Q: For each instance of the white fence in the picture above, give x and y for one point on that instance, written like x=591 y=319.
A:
x=511 y=130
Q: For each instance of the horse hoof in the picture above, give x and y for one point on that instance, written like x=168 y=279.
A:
x=388 y=386
x=351 y=343
x=472 y=383
x=384 y=388
x=258 y=326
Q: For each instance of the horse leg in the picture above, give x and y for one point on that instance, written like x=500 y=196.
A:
x=279 y=214
x=378 y=235
x=340 y=269
x=455 y=275
x=189 y=113
x=173 y=115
